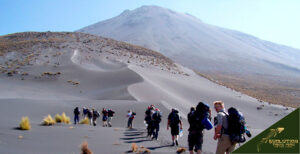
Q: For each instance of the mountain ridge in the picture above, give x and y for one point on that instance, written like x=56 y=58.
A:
x=229 y=57
x=177 y=34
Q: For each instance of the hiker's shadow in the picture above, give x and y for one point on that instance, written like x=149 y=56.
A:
x=137 y=141
x=134 y=136
x=158 y=147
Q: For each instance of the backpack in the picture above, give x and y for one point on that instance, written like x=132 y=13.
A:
x=111 y=113
x=236 y=125
x=174 y=118
x=156 y=117
x=148 y=115
x=200 y=119
x=203 y=109
x=76 y=111
x=96 y=114
x=90 y=114
x=132 y=115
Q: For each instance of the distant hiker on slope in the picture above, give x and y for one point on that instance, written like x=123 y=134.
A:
x=131 y=116
x=148 y=120
x=76 y=115
x=174 y=121
x=90 y=116
x=104 y=117
x=156 y=119
x=84 y=112
x=198 y=119
x=110 y=117
x=96 y=115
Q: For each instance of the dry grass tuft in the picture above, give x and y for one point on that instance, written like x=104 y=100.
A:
x=181 y=150
x=58 y=118
x=62 y=118
x=24 y=73
x=134 y=147
x=143 y=150
x=48 y=120
x=25 y=124
x=65 y=118
x=85 y=149
x=85 y=121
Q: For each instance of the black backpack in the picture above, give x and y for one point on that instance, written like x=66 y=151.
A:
x=236 y=125
x=76 y=111
x=96 y=114
x=195 y=118
x=174 y=119
x=156 y=117
x=90 y=113
x=202 y=110
x=148 y=115
x=111 y=113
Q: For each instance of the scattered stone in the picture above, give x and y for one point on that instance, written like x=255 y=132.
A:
x=116 y=143
x=24 y=74
x=20 y=137
x=9 y=74
x=259 y=107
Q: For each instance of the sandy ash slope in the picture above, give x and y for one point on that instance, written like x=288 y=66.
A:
x=49 y=73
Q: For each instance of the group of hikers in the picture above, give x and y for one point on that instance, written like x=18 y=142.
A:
x=229 y=126
x=92 y=115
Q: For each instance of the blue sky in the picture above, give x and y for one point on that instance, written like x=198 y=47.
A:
x=274 y=20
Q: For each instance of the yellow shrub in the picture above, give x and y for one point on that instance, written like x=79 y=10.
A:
x=65 y=118
x=48 y=120
x=58 y=118
x=85 y=121
x=25 y=124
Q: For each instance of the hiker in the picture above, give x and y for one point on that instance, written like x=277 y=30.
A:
x=174 y=121
x=90 y=116
x=84 y=112
x=95 y=116
x=156 y=119
x=148 y=120
x=199 y=119
x=110 y=117
x=221 y=130
x=76 y=115
x=104 y=117
x=131 y=116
